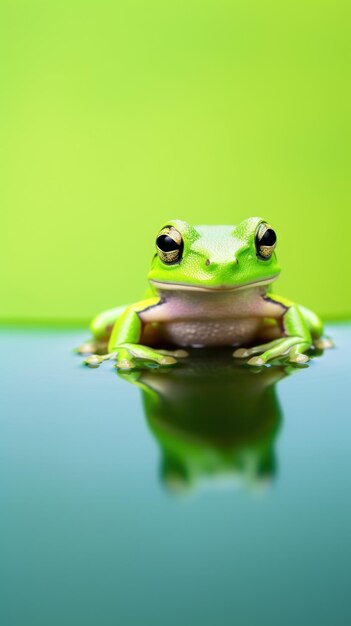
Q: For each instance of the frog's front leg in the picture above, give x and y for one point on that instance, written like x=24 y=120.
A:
x=295 y=343
x=124 y=344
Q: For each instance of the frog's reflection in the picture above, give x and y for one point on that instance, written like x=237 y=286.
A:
x=213 y=419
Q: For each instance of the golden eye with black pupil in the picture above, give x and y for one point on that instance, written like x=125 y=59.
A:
x=169 y=245
x=265 y=241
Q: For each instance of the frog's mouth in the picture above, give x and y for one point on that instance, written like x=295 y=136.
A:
x=221 y=288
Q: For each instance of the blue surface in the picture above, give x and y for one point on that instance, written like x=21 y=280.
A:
x=91 y=535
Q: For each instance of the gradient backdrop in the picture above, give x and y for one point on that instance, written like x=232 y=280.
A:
x=116 y=116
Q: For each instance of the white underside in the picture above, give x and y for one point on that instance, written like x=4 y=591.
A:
x=225 y=318
x=196 y=334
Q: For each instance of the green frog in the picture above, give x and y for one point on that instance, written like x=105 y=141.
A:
x=210 y=286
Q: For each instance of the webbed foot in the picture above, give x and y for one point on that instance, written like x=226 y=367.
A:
x=323 y=343
x=292 y=347
x=95 y=360
x=92 y=346
x=130 y=356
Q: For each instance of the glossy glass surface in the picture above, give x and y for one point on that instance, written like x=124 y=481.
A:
x=208 y=495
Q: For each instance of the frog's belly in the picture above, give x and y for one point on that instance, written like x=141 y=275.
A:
x=201 y=333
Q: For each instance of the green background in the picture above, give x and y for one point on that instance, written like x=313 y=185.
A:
x=115 y=117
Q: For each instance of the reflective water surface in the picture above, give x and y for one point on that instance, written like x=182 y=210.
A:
x=215 y=420
x=204 y=494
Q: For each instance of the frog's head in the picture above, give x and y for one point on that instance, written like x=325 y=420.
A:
x=214 y=257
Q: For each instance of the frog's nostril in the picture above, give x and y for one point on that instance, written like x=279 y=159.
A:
x=235 y=261
x=207 y=262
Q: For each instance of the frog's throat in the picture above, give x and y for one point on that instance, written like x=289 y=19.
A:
x=160 y=285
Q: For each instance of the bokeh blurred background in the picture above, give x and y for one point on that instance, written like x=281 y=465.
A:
x=209 y=493
x=116 y=116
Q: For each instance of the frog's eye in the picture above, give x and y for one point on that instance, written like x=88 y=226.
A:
x=169 y=244
x=266 y=241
